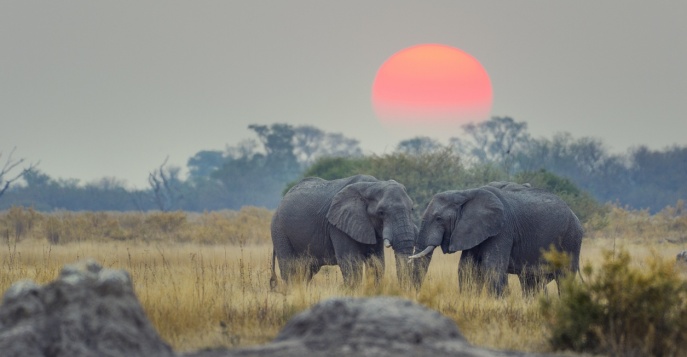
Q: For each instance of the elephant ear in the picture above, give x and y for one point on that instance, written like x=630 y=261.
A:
x=481 y=217
x=348 y=213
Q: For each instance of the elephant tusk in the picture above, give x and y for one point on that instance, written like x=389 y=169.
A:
x=422 y=253
x=387 y=243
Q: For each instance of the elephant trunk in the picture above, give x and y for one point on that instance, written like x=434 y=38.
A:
x=386 y=235
x=418 y=269
x=424 y=250
x=401 y=235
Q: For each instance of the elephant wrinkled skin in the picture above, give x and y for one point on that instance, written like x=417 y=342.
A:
x=345 y=222
x=502 y=228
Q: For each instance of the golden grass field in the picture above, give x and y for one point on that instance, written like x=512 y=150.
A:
x=203 y=279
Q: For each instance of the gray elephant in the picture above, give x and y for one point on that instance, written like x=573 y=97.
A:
x=500 y=231
x=345 y=222
x=509 y=186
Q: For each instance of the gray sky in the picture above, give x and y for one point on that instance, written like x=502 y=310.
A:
x=96 y=89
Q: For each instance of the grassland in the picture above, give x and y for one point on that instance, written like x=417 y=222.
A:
x=203 y=279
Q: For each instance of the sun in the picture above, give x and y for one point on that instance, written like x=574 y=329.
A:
x=431 y=84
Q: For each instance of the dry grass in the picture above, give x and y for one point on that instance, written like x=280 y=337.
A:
x=199 y=294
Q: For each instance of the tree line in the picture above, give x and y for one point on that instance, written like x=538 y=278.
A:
x=257 y=171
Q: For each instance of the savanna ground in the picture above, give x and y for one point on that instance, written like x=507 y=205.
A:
x=203 y=279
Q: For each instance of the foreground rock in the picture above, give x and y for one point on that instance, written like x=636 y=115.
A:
x=90 y=311
x=382 y=326
x=87 y=311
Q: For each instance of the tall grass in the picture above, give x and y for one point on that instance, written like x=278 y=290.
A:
x=203 y=279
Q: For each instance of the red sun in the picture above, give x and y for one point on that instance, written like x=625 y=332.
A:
x=431 y=84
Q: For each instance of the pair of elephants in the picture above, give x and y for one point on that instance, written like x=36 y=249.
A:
x=501 y=228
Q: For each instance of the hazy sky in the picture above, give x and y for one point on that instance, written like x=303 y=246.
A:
x=94 y=89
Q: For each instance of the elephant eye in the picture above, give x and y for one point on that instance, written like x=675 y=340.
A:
x=440 y=219
x=380 y=213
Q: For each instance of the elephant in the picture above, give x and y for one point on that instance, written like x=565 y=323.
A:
x=345 y=222
x=509 y=186
x=501 y=230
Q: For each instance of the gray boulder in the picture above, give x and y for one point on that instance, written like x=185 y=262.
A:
x=379 y=326
x=87 y=311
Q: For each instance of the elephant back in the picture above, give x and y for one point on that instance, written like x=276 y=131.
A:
x=535 y=207
x=308 y=183
x=313 y=195
x=316 y=183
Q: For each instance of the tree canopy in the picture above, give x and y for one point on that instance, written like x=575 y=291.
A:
x=258 y=170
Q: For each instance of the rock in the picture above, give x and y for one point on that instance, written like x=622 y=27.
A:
x=380 y=326
x=87 y=311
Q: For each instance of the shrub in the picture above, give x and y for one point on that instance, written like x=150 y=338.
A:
x=621 y=309
x=17 y=222
x=250 y=225
x=67 y=227
x=166 y=222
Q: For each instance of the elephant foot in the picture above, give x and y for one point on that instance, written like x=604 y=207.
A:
x=273 y=283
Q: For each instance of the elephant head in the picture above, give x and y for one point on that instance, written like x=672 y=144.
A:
x=456 y=220
x=367 y=211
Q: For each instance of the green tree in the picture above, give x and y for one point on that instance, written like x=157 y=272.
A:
x=311 y=143
x=203 y=163
x=418 y=145
x=496 y=141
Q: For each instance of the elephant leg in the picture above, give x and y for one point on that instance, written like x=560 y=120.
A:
x=495 y=278
x=293 y=266
x=374 y=263
x=285 y=254
x=288 y=269
x=351 y=270
x=469 y=275
x=559 y=276
x=495 y=257
x=374 y=267
x=534 y=281
x=350 y=256
x=531 y=284
x=310 y=270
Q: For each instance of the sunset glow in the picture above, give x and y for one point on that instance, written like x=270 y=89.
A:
x=431 y=84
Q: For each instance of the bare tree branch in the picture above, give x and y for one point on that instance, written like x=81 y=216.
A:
x=163 y=183
x=9 y=165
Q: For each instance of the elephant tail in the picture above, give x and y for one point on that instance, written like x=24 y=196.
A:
x=579 y=273
x=273 y=278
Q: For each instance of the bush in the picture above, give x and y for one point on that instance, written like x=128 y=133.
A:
x=17 y=222
x=67 y=227
x=621 y=309
x=250 y=225
x=167 y=222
